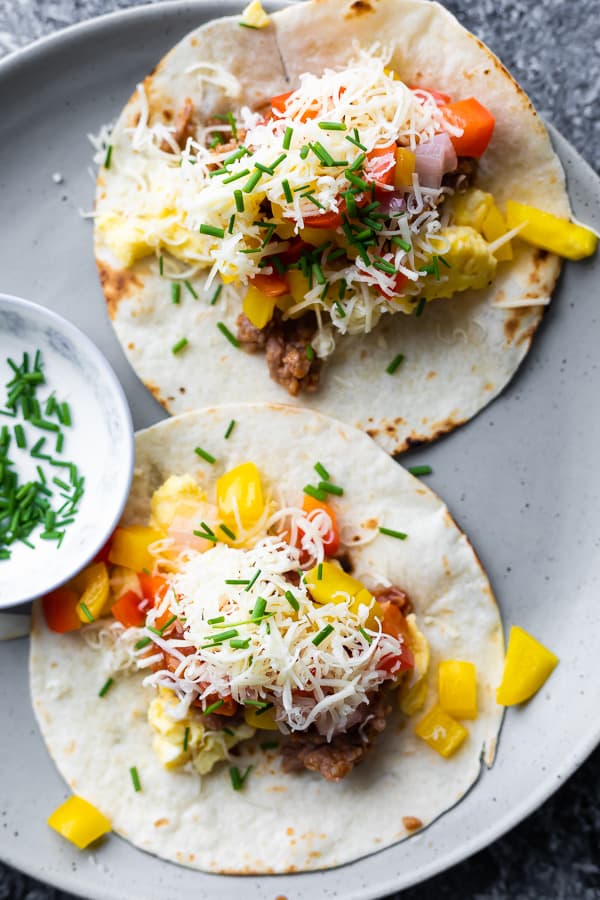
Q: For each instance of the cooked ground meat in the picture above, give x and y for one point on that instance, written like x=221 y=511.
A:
x=184 y=127
x=463 y=176
x=336 y=758
x=397 y=596
x=286 y=344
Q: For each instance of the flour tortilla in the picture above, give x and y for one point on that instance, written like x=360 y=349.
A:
x=461 y=353
x=282 y=822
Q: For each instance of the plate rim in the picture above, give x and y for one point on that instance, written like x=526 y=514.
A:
x=26 y=55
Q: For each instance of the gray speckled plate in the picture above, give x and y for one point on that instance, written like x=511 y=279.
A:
x=522 y=479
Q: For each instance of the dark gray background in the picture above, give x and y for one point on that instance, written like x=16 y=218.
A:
x=553 y=48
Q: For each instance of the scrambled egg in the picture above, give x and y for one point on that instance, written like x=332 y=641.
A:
x=133 y=237
x=204 y=748
x=472 y=264
x=413 y=688
x=179 y=497
x=471 y=208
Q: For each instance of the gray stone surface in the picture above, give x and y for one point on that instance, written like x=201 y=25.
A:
x=553 y=48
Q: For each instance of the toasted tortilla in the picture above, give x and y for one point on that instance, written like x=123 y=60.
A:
x=462 y=352
x=282 y=822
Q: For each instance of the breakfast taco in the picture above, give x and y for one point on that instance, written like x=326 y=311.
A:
x=358 y=211
x=276 y=664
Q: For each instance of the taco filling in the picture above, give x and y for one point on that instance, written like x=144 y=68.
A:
x=244 y=619
x=347 y=198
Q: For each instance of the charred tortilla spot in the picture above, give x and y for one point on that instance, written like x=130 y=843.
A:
x=431 y=375
x=167 y=114
x=160 y=822
x=369 y=523
x=359 y=8
x=513 y=324
x=411 y=823
x=372 y=432
x=438 y=430
x=117 y=284
x=182 y=390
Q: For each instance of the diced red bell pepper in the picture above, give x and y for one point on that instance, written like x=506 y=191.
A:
x=279 y=103
x=127 y=610
x=477 y=123
x=273 y=285
x=395 y=625
x=439 y=98
x=332 y=545
x=381 y=164
x=60 y=610
x=399 y=283
x=153 y=587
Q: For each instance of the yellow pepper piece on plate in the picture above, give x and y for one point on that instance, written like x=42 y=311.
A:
x=335 y=586
x=443 y=733
x=494 y=227
x=258 y=307
x=95 y=590
x=254 y=16
x=79 y=822
x=457 y=688
x=130 y=544
x=405 y=167
x=550 y=232
x=256 y=718
x=240 y=489
x=527 y=666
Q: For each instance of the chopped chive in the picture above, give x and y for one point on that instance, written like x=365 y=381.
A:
x=222 y=637
x=342 y=289
x=167 y=624
x=186 y=738
x=212 y=230
x=143 y=642
x=292 y=600
x=228 y=532
x=366 y=636
x=269 y=745
x=321 y=470
x=287 y=137
x=135 y=778
x=324 y=633
x=356 y=142
x=420 y=307
x=216 y=295
x=395 y=363
x=218 y=139
x=332 y=126
x=310 y=353
x=42 y=423
x=190 y=288
x=268 y=170
x=20 y=437
x=216 y=619
x=259 y=608
x=231 y=224
x=106 y=687
x=395 y=534
x=59 y=442
x=357 y=162
x=384 y=265
x=318 y=273
x=222 y=171
x=239 y=643
x=287 y=191
x=85 y=610
x=340 y=309
x=260 y=704
x=239 y=200
x=216 y=705
x=358 y=182
x=304 y=153
x=253 y=580
x=237 y=780
x=108 y=157
x=230 y=428
x=161 y=264
x=175 y=292
x=315 y=492
x=237 y=581
x=179 y=345
x=444 y=262
x=331 y=488
x=402 y=244
x=235 y=177
x=226 y=333
x=229 y=731
x=237 y=154
x=420 y=470
x=205 y=455
x=61 y=484
x=207 y=528
x=320 y=572
x=252 y=181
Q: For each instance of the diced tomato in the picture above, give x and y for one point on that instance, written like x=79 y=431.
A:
x=331 y=543
x=280 y=101
x=153 y=587
x=274 y=285
x=477 y=123
x=162 y=620
x=127 y=610
x=228 y=708
x=399 y=283
x=439 y=98
x=60 y=610
x=329 y=219
x=381 y=164
x=295 y=250
x=395 y=625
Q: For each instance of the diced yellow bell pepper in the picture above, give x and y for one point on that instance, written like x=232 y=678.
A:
x=240 y=489
x=335 y=586
x=298 y=284
x=413 y=686
x=443 y=733
x=405 y=167
x=317 y=236
x=229 y=279
x=256 y=718
x=550 y=232
x=494 y=227
x=457 y=688
x=254 y=15
x=258 y=307
x=130 y=544
x=527 y=666
x=94 y=585
x=79 y=822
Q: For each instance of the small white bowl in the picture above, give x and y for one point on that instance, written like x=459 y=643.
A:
x=100 y=443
